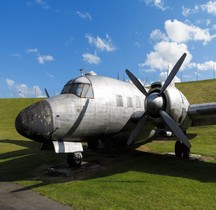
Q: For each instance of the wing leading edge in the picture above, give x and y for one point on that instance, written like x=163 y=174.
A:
x=202 y=114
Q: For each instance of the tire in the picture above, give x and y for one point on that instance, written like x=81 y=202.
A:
x=74 y=160
x=178 y=149
x=186 y=152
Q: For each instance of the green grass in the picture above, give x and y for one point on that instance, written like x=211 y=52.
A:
x=138 y=181
x=135 y=190
x=18 y=156
x=200 y=91
x=125 y=179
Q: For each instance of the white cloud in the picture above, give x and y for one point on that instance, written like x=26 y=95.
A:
x=177 y=31
x=157 y=35
x=85 y=15
x=17 y=55
x=44 y=58
x=165 y=54
x=101 y=44
x=163 y=76
x=50 y=75
x=22 y=90
x=180 y=32
x=32 y=50
x=91 y=58
x=10 y=82
x=43 y=4
x=188 y=11
x=208 y=65
x=156 y=3
x=209 y=7
x=172 y=44
x=37 y=91
x=147 y=70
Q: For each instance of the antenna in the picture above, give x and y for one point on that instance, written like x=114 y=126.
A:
x=81 y=71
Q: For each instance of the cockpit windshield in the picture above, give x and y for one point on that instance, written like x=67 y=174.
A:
x=81 y=87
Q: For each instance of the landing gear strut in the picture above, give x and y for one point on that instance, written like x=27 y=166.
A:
x=74 y=160
x=181 y=150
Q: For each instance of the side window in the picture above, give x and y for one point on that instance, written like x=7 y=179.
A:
x=138 y=104
x=119 y=100
x=79 y=89
x=66 y=89
x=129 y=102
x=87 y=91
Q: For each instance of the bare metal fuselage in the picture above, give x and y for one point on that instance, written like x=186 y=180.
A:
x=109 y=112
x=92 y=108
x=80 y=119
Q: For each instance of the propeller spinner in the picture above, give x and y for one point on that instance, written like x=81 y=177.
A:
x=155 y=105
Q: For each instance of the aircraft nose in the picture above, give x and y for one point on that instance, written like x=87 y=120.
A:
x=35 y=122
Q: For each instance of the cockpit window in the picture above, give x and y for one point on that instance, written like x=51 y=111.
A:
x=83 y=90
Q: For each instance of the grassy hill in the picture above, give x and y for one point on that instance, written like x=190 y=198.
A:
x=131 y=180
x=9 y=108
x=199 y=91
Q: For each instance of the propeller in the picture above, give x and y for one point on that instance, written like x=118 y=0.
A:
x=136 y=82
x=155 y=106
x=173 y=73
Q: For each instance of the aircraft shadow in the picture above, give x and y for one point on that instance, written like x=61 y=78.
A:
x=161 y=164
x=16 y=167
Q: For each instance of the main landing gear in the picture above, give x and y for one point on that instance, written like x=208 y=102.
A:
x=74 y=159
x=181 y=150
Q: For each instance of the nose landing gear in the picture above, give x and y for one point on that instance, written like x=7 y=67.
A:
x=74 y=159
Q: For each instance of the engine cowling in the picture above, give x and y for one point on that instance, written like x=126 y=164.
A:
x=172 y=101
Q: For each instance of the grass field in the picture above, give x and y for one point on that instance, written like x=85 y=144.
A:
x=125 y=179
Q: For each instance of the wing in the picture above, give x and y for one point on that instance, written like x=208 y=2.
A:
x=202 y=114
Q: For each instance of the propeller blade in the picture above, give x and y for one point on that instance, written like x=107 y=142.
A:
x=173 y=73
x=47 y=94
x=136 y=131
x=175 y=128
x=136 y=82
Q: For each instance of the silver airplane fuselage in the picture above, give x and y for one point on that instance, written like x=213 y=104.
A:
x=103 y=113
x=94 y=107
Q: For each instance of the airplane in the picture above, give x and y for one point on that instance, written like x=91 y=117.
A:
x=102 y=110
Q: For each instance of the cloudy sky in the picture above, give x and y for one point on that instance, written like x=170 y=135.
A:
x=44 y=43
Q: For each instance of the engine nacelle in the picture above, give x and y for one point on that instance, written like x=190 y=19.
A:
x=172 y=101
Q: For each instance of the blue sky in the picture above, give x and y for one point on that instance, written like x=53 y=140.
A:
x=44 y=43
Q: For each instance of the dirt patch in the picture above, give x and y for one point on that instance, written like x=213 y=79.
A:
x=87 y=169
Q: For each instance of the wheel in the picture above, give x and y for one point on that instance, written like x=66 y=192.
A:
x=178 y=149
x=186 y=152
x=74 y=160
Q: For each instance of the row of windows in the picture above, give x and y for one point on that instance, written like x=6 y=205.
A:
x=119 y=101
